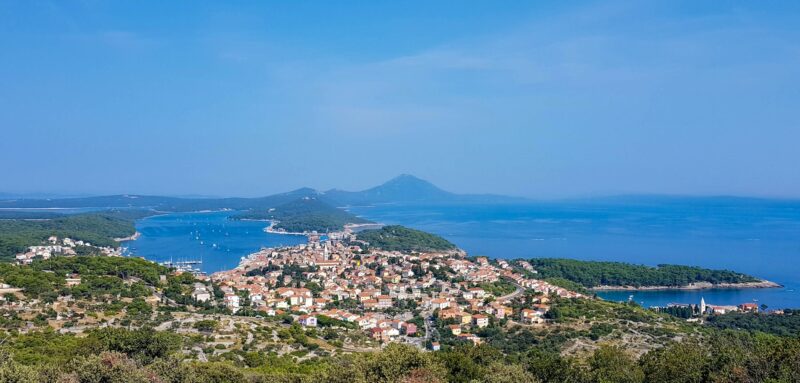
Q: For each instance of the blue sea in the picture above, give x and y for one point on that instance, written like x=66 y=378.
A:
x=758 y=238
x=209 y=237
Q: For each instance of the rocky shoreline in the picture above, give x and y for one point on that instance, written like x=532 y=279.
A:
x=133 y=237
x=764 y=284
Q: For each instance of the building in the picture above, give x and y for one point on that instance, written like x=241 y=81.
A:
x=749 y=307
x=481 y=320
x=307 y=320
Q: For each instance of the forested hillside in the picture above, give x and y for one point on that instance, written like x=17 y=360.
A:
x=400 y=238
x=99 y=229
x=145 y=355
x=593 y=274
x=305 y=215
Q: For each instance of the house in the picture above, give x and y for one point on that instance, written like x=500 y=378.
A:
x=722 y=309
x=530 y=316
x=200 y=293
x=440 y=303
x=455 y=329
x=435 y=346
x=307 y=320
x=449 y=313
x=481 y=320
x=232 y=302
x=383 y=334
x=410 y=329
x=470 y=337
x=384 y=302
x=464 y=317
x=749 y=307
x=478 y=292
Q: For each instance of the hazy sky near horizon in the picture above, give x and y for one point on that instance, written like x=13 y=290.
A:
x=524 y=98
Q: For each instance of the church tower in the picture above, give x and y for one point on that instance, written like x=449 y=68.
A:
x=702 y=306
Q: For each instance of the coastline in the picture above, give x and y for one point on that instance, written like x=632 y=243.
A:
x=133 y=237
x=764 y=284
x=271 y=229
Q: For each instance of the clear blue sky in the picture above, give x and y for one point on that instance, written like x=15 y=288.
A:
x=525 y=98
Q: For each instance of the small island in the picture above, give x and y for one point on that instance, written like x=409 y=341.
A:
x=303 y=215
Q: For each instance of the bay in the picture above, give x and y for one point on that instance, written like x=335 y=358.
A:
x=211 y=237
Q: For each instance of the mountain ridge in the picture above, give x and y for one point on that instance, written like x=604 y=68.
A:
x=404 y=188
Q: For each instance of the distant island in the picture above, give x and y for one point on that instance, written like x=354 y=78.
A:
x=304 y=215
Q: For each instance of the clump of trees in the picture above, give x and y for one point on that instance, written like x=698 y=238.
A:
x=401 y=238
x=305 y=215
x=592 y=274
x=787 y=324
x=145 y=355
x=99 y=229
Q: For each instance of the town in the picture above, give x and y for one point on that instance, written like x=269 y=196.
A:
x=377 y=290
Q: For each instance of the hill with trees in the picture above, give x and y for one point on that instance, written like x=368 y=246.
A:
x=99 y=229
x=593 y=274
x=401 y=238
x=304 y=215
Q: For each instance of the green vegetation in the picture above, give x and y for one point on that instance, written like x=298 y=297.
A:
x=593 y=274
x=400 y=238
x=32 y=281
x=206 y=325
x=787 y=324
x=128 y=356
x=99 y=229
x=305 y=215
x=100 y=276
x=567 y=284
x=498 y=288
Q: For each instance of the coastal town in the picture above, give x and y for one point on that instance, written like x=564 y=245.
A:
x=336 y=278
x=391 y=296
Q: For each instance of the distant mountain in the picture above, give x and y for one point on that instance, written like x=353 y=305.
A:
x=402 y=189
x=410 y=189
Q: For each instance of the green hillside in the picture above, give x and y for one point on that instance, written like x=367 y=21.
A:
x=592 y=274
x=305 y=215
x=401 y=238
x=99 y=229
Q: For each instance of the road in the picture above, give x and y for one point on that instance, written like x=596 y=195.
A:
x=513 y=295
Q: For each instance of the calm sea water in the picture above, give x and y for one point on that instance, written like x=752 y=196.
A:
x=211 y=237
x=761 y=239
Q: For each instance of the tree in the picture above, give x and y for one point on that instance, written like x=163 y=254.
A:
x=507 y=373
x=685 y=362
x=611 y=364
x=12 y=372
